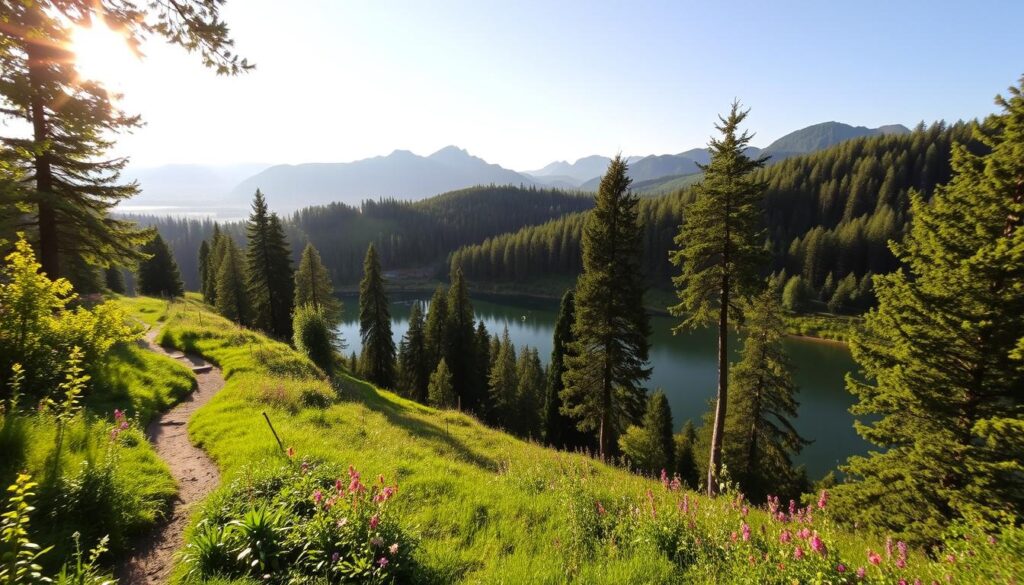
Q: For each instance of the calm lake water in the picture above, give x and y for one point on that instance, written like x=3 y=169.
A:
x=683 y=366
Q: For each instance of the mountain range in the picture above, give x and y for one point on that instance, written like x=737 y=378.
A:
x=405 y=175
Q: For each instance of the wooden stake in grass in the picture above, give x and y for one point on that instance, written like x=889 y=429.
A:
x=276 y=438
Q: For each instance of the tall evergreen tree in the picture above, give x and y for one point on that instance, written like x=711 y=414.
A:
x=378 y=360
x=437 y=326
x=608 y=356
x=458 y=347
x=204 y=265
x=74 y=184
x=760 y=438
x=217 y=249
x=720 y=253
x=529 y=391
x=945 y=396
x=503 y=383
x=412 y=358
x=559 y=429
x=269 y=271
x=158 y=274
x=232 y=296
x=482 y=369
x=686 y=458
x=313 y=285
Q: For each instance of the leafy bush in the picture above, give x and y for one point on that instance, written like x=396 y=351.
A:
x=38 y=328
x=298 y=523
x=314 y=336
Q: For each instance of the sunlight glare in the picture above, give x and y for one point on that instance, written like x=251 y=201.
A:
x=101 y=54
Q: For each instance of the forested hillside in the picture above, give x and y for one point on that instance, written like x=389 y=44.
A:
x=406 y=234
x=829 y=216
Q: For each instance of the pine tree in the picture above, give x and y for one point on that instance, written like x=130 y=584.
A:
x=437 y=326
x=217 y=248
x=441 y=391
x=686 y=455
x=482 y=369
x=204 y=265
x=232 y=296
x=378 y=360
x=720 y=253
x=608 y=356
x=503 y=383
x=529 y=389
x=458 y=346
x=74 y=182
x=940 y=383
x=760 y=437
x=560 y=430
x=650 y=446
x=158 y=274
x=412 y=358
x=313 y=285
x=114 y=280
x=269 y=271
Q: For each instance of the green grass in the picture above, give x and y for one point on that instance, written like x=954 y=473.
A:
x=148 y=310
x=99 y=486
x=483 y=505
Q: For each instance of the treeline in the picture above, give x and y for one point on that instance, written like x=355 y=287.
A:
x=406 y=234
x=829 y=215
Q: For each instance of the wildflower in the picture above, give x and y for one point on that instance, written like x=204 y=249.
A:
x=677 y=484
x=338 y=486
x=745 y=528
x=600 y=509
x=822 y=499
x=113 y=434
x=393 y=549
x=384 y=494
x=798 y=553
x=773 y=504
x=785 y=536
x=383 y=562
x=991 y=539
x=118 y=415
x=792 y=508
x=874 y=558
x=888 y=547
x=817 y=545
x=341 y=523
x=686 y=504
x=664 y=478
x=861 y=572
x=840 y=568
x=291 y=451
x=804 y=533
x=901 y=563
x=902 y=582
x=335 y=557
x=305 y=467
x=744 y=511
x=374 y=521
x=318 y=497
x=377 y=541
x=951 y=558
x=733 y=536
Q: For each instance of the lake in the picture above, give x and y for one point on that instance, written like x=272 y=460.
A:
x=683 y=365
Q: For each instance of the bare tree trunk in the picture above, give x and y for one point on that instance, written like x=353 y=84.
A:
x=718 y=431
x=39 y=57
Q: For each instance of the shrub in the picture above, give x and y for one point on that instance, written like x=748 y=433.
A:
x=314 y=337
x=298 y=523
x=38 y=328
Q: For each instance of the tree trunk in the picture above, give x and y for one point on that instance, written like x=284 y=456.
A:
x=49 y=258
x=718 y=432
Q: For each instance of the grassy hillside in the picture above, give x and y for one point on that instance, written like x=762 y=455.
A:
x=477 y=505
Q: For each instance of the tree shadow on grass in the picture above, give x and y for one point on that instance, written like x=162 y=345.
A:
x=400 y=415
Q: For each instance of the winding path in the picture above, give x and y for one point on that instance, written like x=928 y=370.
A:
x=193 y=470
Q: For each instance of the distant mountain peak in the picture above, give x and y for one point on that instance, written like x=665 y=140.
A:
x=450 y=150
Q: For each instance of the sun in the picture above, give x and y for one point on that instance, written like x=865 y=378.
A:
x=101 y=54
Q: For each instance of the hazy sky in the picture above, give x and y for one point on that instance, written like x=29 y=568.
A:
x=524 y=83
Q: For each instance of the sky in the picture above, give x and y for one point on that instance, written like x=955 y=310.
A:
x=525 y=83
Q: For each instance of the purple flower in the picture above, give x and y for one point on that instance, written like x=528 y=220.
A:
x=374 y=521
x=798 y=553
x=318 y=497
x=840 y=568
x=335 y=557
x=817 y=545
x=745 y=528
x=822 y=499
x=383 y=562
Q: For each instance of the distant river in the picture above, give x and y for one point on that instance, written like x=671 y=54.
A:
x=683 y=366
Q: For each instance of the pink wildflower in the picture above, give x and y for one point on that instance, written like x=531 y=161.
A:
x=291 y=451
x=664 y=478
x=744 y=511
x=377 y=541
x=745 y=529
x=817 y=545
x=124 y=426
x=393 y=549
x=383 y=562
x=888 y=547
x=861 y=572
x=840 y=568
x=804 y=533
x=676 y=484
x=118 y=415
x=792 y=508
x=318 y=497
x=822 y=499
x=798 y=553
x=785 y=536
x=874 y=558
x=951 y=558
x=902 y=582
x=374 y=521
x=338 y=486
